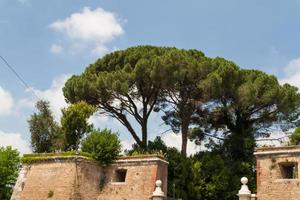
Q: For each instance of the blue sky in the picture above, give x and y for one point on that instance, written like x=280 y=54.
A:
x=47 y=41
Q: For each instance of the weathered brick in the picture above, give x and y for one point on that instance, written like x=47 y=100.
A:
x=270 y=183
x=82 y=179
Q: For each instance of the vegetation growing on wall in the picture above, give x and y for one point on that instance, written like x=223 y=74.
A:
x=295 y=137
x=40 y=157
x=104 y=146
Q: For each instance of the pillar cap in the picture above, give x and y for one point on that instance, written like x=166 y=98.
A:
x=158 y=191
x=244 y=191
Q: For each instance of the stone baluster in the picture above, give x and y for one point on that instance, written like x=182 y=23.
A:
x=244 y=192
x=158 y=194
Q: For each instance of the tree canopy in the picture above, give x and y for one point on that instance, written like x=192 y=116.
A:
x=122 y=84
x=9 y=167
x=74 y=124
x=44 y=130
x=248 y=102
x=132 y=83
x=243 y=105
x=181 y=98
x=104 y=146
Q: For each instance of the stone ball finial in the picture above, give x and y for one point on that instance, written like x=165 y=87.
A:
x=158 y=183
x=158 y=191
x=244 y=180
x=244 y=189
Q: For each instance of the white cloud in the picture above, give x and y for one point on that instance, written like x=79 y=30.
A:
x=24 y=103
x=174 y=140
x=55 y=95
x=90 y=28
x=99 y=50
x=15 y=140
x=6 y=102
x=56 y=49
x=22 y=106
x=292 y=73
x=98 y=120
x=126 y=145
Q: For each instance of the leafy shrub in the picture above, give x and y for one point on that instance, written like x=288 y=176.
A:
x=156 y=147
x=295 y=137
x=74 y=123
x=9 y=165
x=104 y=146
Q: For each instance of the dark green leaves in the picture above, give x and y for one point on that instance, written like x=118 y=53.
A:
x=44 y=130
x=74 y=124
x=123 y=83
x=104 y=146
x=9 y=166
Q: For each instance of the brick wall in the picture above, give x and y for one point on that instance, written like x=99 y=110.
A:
x=81 y=179
x=270 y=182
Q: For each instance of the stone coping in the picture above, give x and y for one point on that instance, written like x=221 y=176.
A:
x=135 y=159
x=277 y=150
x=123 y=159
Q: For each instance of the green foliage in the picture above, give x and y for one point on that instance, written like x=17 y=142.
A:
x=182 y=98
x=133 y=81
x=74 y=123
x=9 y=166
x=122 y=83
x=156 y=147
x=104 y=146
x=203 y=176
x=243 y=105
x=248 y=100
x=40 y=157
x=295 y=137
x=44 y=130
x=220 y=100
x=210 y=177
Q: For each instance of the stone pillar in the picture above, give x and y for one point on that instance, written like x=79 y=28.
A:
x=158 y=194
x=244 y=192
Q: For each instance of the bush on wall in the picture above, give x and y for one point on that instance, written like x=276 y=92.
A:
x=104 y=146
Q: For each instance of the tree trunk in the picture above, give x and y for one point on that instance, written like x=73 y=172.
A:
x=184 y=136
x=144 y=125
x=144 y=134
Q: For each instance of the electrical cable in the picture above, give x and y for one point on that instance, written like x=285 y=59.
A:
x=19 y=77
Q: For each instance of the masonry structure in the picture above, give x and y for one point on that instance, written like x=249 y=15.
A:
x=78 y=178
x=278 y=173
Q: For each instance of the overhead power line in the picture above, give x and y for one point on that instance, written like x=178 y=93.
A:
x=23 y=82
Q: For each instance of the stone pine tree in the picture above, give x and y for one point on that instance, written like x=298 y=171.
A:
x=245 y=104
x=44 y=130
x=124 y=84
x=182 y=99
x=9 y=166
x=74 y=124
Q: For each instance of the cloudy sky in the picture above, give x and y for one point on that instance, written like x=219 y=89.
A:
x=47 y=41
